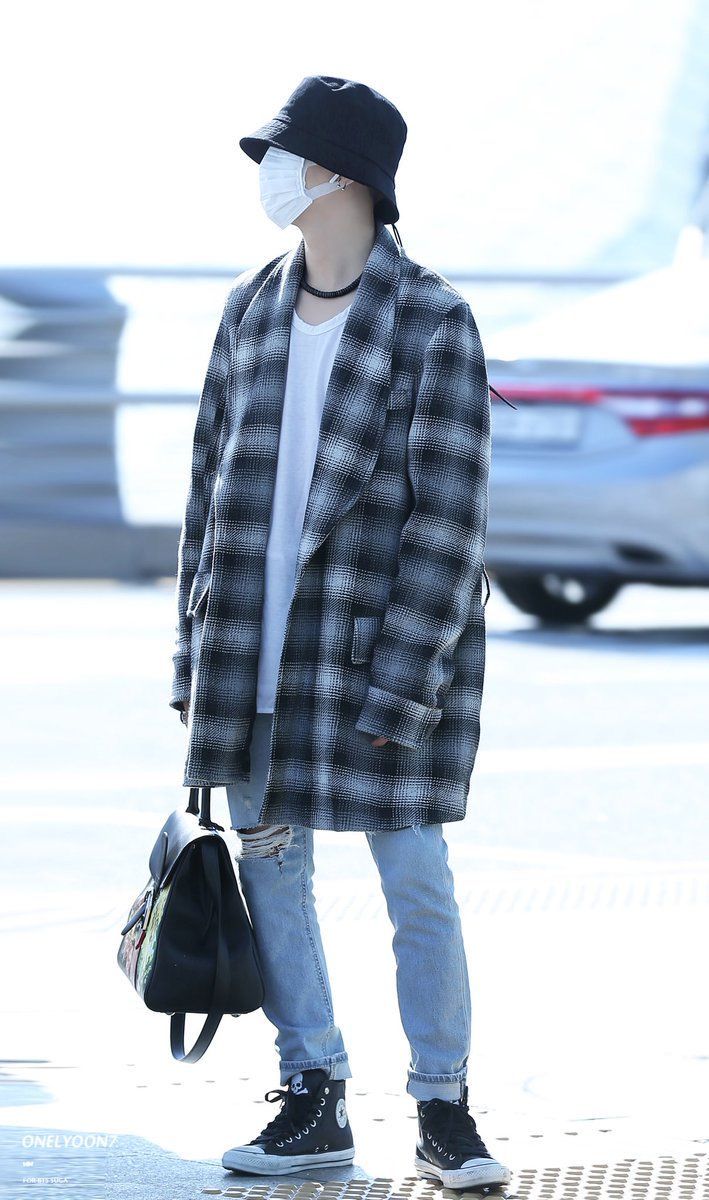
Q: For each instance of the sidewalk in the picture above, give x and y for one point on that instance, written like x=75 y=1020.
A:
x=574 y=966
x=582 y=872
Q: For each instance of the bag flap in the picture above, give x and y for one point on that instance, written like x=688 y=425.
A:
x=180 y=829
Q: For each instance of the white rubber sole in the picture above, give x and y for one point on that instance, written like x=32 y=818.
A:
x=275 y=1164
x=484 y=1171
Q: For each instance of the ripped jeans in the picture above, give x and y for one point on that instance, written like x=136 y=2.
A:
x=276 y=874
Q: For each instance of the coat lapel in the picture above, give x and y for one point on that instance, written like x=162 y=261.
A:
x=356 y=397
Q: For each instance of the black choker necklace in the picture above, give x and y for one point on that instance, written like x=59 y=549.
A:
x=329 y=295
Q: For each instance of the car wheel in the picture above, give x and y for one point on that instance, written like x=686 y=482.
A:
x=558 y=599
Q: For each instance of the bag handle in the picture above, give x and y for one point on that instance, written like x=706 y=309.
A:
x=202 y=809
x=220 y=987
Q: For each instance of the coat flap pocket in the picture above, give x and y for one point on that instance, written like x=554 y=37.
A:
x=364 y=635
x=402 y=389
x=487 y=584
x=198 y=594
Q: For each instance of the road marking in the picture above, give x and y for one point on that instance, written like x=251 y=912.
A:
x=542 y=759
x=41 y=814
x=657 y=673
x=508 y=761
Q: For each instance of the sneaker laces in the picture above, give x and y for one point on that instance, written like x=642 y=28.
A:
x=286 y=1123
x=453 y=1126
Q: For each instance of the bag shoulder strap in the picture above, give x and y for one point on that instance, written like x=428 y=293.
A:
x=220 y=987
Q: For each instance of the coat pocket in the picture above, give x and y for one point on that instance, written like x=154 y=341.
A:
x=402 y=390
x=487 y=584
x=365 y=631
x=199 y=592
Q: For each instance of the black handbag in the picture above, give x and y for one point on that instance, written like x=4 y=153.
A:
x=188 y=945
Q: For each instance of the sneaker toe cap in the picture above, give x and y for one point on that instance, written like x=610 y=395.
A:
x=490 y=1168
x=241 y=1154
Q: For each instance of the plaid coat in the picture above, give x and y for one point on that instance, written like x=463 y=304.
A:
x=385 y=633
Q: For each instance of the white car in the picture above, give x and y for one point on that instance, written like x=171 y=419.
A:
x=600 y=475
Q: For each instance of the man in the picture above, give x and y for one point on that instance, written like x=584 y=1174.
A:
x=331 y=634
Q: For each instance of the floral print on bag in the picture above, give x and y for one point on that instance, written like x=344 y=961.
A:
x=148 y=946
x=136 y=952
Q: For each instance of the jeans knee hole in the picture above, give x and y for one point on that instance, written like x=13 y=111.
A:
x=265 y=841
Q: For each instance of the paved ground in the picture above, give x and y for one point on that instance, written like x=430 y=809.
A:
x=582 y=873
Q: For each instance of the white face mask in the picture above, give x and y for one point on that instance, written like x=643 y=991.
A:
x=284 y=195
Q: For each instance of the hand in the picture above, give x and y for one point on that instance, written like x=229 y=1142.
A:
x=380 y=741
x=185 y=711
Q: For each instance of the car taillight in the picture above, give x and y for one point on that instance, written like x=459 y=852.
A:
x=645 y=413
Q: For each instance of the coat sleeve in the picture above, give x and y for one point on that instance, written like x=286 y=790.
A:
x=442 y=542
x=205 y=447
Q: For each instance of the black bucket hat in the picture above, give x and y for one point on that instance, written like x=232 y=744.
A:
x=344 y=126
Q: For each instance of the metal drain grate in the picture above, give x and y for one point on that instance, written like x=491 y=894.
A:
x=662 y=1178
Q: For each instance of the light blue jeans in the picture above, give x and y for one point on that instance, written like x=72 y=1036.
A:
x=276 y=876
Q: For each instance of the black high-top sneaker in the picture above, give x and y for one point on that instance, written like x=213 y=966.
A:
x=311 y=1130
x=450 y=1148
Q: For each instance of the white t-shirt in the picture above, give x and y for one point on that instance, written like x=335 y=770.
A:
x=310 y=358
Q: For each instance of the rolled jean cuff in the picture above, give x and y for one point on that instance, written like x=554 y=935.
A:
x=337 y=1066
x=429 y=1087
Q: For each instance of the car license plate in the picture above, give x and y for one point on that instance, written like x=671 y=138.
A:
x=534 y=423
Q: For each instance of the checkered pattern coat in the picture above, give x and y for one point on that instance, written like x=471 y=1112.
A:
x=386 y=630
